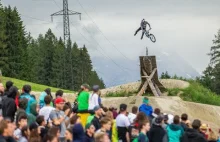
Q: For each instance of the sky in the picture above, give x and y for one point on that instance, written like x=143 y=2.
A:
x=107 y=27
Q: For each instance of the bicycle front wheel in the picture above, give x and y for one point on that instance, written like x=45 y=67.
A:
x=152 y=38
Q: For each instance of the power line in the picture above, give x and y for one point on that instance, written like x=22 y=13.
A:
x=102 y=32
x=97 y=43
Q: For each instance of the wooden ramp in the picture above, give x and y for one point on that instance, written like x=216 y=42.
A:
x=149 y=77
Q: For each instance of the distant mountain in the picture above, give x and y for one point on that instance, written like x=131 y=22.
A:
x=128 y=70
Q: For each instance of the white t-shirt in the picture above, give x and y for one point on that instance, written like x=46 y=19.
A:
x=93 y=101
x=17 y=133
x=122 y=121
x=45 y=111
x=131 y=117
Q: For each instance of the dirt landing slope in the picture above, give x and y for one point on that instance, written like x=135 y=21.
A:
x=174 y=105
x=133 y=87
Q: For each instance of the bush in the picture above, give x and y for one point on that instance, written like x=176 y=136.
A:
x=173 y=92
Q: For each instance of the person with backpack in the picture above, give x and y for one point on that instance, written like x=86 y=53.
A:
x=26 y=94
x=43 y=95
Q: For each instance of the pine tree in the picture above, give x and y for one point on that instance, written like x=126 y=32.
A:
x=3 y=47
x=57 y=78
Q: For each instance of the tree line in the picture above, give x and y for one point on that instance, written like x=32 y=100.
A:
x=45 y=60
x=211 y=75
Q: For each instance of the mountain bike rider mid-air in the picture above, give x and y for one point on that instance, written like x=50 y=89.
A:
x=143 y=28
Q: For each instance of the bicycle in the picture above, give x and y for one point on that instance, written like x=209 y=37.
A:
x=150 y=36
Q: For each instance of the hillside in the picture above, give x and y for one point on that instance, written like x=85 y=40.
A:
x=35 y=87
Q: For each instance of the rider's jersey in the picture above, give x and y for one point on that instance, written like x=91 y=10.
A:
x=144 y=24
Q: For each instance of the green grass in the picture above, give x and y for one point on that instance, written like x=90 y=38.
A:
x=35 y=87
x=173 y=92
x=199 y=94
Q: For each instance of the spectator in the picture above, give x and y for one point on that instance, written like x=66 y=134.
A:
x=175 y=131
x=24 y=134
x=83 y=98
x=6 y=131
x=114 y=111
x=42 y=125
x=90 y=131
x=75 y=119
x=122 y=123
x=58 y=94
x=8 y=105
x=184 y=118
x=58 y=118
x=157 y=132
x=212 y=136
x=101 y=137
x=69 y=135
x=113 y=132
x=34 y=133
x=8 y=85
x=140 y=117
x=33 y=113
x=145 y=107
x=193 y=134
x=133 y=114
x=93 y=98
x=45 y=111
x=204 y=130
x=154 y=115
x=78 y=133
x=144 y=127
x=1 y=97
x=26 y=94
x=100 y=99
x=52 y=135
x=105 y=125
x=43 y=95
x=21 y=109
x=22 y=122
x=165 y=121
x=97 y=117
x=83 y=103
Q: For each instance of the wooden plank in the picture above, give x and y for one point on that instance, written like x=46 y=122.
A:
x=144 y=87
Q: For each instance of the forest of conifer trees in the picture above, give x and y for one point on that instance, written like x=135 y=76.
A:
x=45 y=60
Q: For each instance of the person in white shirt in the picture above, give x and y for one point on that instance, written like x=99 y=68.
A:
x=122 y=123
x=133 y=114
x=94 y=97
x=45 y=111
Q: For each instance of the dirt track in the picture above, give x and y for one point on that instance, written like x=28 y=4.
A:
x=174 y=105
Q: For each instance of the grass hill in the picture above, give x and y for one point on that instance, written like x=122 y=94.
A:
x=35 y=87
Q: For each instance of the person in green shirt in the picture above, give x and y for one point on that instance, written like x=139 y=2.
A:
x=83 y=98
x=144 y=127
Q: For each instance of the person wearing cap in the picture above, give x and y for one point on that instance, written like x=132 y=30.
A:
x=145 y=107
x=204 y=130
x=193 y=134
x=157 y=132
x=97 y=117
x=94 y=98
x=58 y=117
x=42 y=96
x=90 y=131
x=122 y=123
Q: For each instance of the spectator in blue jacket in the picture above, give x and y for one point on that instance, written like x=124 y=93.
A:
x=145 y=107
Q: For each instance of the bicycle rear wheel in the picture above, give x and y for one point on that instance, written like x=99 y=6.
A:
x=152 y=38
